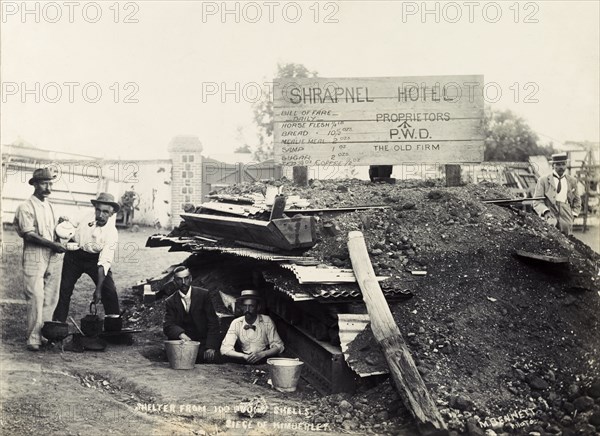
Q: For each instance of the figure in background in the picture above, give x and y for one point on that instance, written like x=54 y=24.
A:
x=562 y=202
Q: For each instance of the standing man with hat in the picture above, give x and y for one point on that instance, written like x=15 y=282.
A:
x=35 y=221
x=97 y=238
x=562 y=202
x=255 y=333
x=190 y=316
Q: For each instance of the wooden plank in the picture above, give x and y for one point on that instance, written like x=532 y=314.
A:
x=452 y=175
x=337 y=209
x=300 y=175
x=378 y=121
x=284 y=233
x=500 y=201
x=326 y=368
x=232 y=209
x=407 y=379
x=278 y=207
x=542 y=257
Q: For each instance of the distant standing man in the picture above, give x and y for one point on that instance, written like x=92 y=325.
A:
x=190 y=316
x=35 y=221
x=97 y=238
x=562 y=202
x=254 y=333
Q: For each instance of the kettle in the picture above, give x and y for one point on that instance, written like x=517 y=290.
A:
x=91 y=324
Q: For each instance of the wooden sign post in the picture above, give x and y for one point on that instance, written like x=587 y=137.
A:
x=406 y=377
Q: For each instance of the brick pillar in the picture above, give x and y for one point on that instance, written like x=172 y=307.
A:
x=186 y=180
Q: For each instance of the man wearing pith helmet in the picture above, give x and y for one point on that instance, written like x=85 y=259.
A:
x=254 y=334
x=97 y=238
x=190 y=316
x=35 y=222
x=562 y=202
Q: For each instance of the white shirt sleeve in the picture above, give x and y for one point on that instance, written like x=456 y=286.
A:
x=107 y=254
x=230 y=339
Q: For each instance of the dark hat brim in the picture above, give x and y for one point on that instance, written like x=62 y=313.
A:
x=33 y=180
x=115 y=206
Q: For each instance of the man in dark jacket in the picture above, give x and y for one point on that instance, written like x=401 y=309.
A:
x=190 y=316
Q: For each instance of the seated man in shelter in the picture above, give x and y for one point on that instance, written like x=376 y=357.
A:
x=190 y=316
x=255 y=334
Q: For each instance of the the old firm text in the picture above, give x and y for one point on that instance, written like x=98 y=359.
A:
x=405 y=92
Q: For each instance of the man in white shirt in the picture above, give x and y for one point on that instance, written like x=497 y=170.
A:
x=97 y=238
x=254 y=333
x=562 y=202
x=35 y=222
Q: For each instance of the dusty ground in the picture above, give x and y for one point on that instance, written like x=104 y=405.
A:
x=124 y=390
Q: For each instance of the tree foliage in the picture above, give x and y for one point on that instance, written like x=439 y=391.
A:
x=263 y=110
x=508 y=137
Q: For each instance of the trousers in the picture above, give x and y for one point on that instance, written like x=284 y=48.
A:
x=42 y=275
x=564 y=218
x=75 y=264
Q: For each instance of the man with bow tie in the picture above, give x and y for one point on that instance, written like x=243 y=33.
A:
x=97 y=238
x=562 y=202
x=190 y=316
x=254 y=333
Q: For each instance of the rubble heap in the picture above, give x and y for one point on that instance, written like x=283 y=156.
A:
x=501 y=343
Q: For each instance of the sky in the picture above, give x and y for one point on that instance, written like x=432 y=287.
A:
x=121 y=79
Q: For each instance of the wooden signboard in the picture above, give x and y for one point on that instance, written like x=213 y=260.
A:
x=378 y=121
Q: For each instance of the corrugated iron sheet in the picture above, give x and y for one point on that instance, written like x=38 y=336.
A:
x=350 y=325
x=323 y=274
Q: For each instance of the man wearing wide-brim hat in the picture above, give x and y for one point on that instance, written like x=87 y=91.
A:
x=96 y=238
x=254 y=334
x=35 y=221
x=561 y=203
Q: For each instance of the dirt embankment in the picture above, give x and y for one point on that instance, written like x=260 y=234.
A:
x=501 y=342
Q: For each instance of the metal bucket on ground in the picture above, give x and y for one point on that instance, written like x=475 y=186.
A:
x=182 y=354
x=285 y=373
